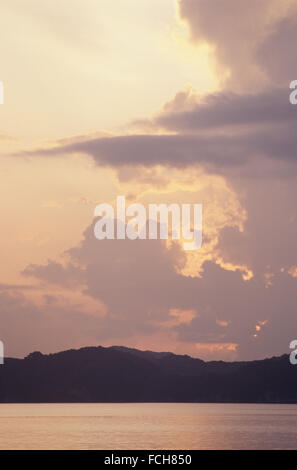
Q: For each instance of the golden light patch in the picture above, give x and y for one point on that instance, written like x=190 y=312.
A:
x=182 y=316
x=246 y=273
x=228 y=351
x=221 y=206
x=293 y=271
x=258 y=327
x=222 y=323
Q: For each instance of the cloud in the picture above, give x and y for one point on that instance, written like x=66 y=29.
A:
x=277 y=53
x=219 y=154
x=138 y=283
x=249 y=139
x=268 y=241
x=247 y=135
x=225 y=133
x=241 y=33
x=14 y=287
x=55 y=273
x=49 y=326
x=227 y=110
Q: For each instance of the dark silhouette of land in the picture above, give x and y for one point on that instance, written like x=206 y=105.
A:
x=119 y=374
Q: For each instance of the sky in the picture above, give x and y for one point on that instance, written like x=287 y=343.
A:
x=163 y=102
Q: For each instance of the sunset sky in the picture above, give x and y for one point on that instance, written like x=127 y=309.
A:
x=161 y=101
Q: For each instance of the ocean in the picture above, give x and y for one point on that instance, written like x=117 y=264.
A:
x=116 y=426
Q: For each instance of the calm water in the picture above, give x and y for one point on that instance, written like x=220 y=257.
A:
x=148 y=426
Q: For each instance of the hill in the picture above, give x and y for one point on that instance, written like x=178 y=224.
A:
x=119 y=374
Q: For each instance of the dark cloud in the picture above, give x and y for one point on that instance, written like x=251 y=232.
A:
x=268 y=242
x=219 y=154
x=226 y=133
x=139 y=285
x=14 y=287
x=55 y=273
x=278 y=54
x=242 y=33
x=230 y=110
